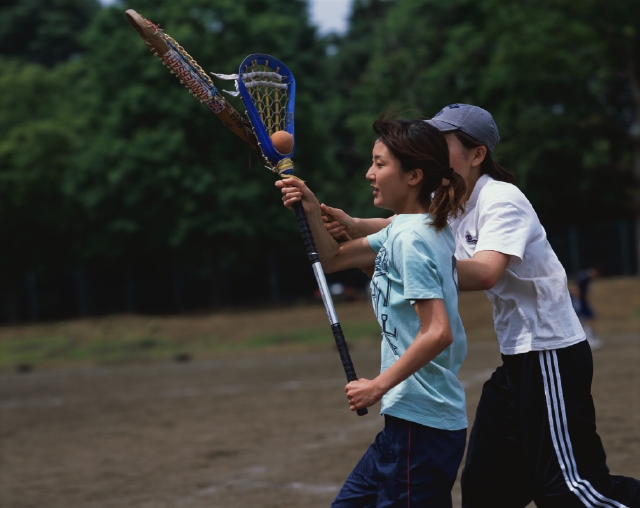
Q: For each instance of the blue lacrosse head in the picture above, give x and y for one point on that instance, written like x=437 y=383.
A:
x=268 y=90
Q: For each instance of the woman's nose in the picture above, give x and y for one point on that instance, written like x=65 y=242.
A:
x=370 y=175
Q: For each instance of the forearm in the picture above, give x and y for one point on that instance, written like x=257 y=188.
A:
x=366 y=227
x=333 y=256
x=326 y=246
x=424 y=348
x=433 y=337
x=471 y=276
x=336 y=256
x=482 y=271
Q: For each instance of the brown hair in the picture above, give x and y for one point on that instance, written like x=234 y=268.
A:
x=418 y=145
x=488 y=166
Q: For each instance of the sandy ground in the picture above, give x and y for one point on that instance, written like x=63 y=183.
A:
x=268 y=429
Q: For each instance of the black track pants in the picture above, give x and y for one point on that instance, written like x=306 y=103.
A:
x=534 y=438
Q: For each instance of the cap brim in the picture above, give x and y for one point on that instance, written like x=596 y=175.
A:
x=442 y=126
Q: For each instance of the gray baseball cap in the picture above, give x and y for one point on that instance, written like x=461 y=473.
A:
x=472 y=120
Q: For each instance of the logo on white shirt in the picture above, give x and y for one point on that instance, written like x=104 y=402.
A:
x=470 y=239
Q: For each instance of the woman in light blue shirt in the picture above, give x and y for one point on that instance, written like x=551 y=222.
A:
x=414 y=460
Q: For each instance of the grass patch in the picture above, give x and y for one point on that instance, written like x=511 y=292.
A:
x=354 y=332
x=129 y=346
x=60 y=349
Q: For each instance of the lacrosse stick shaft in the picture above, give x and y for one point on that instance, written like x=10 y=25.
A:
x=338 y=335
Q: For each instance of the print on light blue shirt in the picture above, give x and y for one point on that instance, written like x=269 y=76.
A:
x=381 y=269
x=415 y=263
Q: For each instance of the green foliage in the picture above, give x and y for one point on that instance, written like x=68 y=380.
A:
x=104 y=155
x=161 y=171
x=42 y=123
x=44 y=31
x=555 y=75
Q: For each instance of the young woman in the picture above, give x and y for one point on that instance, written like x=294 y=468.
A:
x=414 y=460
x=534 y=435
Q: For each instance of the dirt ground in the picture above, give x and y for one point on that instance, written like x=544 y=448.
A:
x=265 y=430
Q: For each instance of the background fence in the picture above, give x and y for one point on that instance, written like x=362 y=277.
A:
x=608 y=245
x=168 y=286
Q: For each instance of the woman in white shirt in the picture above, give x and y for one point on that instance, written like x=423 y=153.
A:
x=534 y=436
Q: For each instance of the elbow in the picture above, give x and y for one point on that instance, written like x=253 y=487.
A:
x=489 y=280
x=486 y=283
x=329 y=264
x=332 y=260
x=447 y=339
x=328 y=268
x=443 y=340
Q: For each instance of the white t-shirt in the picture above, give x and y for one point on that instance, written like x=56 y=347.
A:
x=532 y=308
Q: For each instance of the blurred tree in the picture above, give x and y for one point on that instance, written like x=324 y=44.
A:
x=44 y=31
x=562 y=97
x=555 y=75
x=159 y=172
x=116 y=136
x=104 y=156
x=348 y=112
x=42 y=122
x=618 y=25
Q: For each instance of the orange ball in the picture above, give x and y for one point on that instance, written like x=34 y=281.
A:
x=282 y=142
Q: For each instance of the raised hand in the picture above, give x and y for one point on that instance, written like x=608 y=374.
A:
x=337 y=222
x=294 y=190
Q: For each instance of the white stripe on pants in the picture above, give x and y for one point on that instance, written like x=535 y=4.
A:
x=589 y=496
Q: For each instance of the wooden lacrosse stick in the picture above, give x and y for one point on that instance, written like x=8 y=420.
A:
x=191 y=75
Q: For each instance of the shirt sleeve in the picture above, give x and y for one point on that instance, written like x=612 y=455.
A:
x=417 y=267
x=376 y=240
x=503 y=227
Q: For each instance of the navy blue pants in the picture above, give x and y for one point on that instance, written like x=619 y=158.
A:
x=534 y=438
x=408 y=465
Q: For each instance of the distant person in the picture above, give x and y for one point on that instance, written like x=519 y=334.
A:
x=415 y=459
x=534 y=436
x=582 y=306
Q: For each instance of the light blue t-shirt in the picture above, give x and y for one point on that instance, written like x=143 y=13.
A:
x=416 y=263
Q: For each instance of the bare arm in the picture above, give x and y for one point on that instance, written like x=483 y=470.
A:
x=433 y=337
x=338 y=222
x=482 y=271
x=341 y=226
x=476 y=274
x=333 y=256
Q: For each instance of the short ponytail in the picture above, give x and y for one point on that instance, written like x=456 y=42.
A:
x=448 y=201
x=419 y=145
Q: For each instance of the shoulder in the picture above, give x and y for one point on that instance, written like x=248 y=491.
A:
x=420 y=236
x=415 y=226
x=502 y=194
x=405 y=228
x=496 y=190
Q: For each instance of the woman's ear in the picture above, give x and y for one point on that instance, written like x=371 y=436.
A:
x=415 y=176
x=477 y=155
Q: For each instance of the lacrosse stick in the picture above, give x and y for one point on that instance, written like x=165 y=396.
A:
x=191 y=75
x=275 y=106
x=267 y=89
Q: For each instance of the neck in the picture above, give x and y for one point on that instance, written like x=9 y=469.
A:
x=408 y=208
x=471 y=180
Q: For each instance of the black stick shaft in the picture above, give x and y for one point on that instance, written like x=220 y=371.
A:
x=338 y=335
